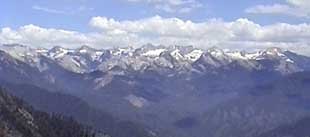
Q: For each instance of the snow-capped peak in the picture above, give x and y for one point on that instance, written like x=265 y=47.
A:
x=41 y=50
x=87 y=59
x=194 y=55
x=123 y=51
x=274 y=52
x=85 y=49
x=57 y=52
x=216 y=52
x=20 y=52
x=176 y=54
x=58 y=49
x=154 y=53
x=238 y=55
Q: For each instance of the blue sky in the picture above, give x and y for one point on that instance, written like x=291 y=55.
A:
x=103 y=23
x=75 y=14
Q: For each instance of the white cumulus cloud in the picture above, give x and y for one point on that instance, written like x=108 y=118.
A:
x=239 y=34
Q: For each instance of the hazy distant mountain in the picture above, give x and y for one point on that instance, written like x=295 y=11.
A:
x=172 y=91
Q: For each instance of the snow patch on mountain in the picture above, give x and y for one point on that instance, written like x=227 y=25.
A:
x=154 y=53
x=136 y=101
x=194 y=55
x=176 y=59
x=176 y=54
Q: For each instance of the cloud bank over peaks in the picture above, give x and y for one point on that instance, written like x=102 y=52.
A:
x=109 y=32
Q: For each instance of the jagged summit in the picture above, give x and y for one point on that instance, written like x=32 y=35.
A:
x=85 y=49
x=179 y=58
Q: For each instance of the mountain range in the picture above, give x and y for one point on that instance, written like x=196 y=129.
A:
x=165 y=91
x=176 y=59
